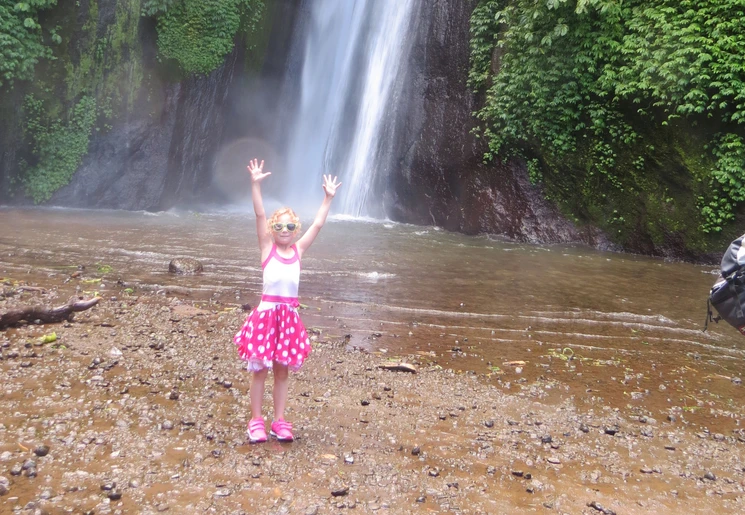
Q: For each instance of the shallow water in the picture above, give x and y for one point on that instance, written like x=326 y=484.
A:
x=623 y=328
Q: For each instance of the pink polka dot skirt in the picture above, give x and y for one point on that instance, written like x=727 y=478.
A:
x=275 y=334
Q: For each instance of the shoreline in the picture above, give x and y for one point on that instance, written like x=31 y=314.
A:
x=142 y=403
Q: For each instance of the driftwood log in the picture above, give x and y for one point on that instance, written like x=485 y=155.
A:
x=45 y=314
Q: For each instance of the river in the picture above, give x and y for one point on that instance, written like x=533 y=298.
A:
x=624 y=328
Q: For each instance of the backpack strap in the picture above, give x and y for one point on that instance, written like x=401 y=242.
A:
x=709 y=317
x=735 y=293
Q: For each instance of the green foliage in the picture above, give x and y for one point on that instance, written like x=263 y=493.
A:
x=58 y=145
x=153 y=7
x=198 y=34
x=584 y=85
x=728 y=176
x=21 y=39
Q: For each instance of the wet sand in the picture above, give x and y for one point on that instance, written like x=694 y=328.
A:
x=140 y=405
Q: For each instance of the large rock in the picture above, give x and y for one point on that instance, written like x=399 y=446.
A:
x=439 y=176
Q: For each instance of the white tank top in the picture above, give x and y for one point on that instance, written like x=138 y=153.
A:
x=281 y=278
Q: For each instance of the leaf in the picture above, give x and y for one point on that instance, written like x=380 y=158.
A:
x=48 y=338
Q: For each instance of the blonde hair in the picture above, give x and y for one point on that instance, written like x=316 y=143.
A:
x=280 y=212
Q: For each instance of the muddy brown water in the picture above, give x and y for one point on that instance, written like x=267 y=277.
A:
x=597 y=331
x=608 y=326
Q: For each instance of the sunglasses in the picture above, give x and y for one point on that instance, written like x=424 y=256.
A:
x=289 y=226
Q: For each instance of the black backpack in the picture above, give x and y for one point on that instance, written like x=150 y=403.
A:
x=727 y=295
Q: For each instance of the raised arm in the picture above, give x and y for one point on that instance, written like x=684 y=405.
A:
x=257 y=175
x=329 y=187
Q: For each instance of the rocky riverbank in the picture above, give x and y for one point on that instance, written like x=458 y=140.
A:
x=139 y=405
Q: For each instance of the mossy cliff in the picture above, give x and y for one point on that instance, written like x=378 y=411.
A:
x=100 y=90
x=631 y=115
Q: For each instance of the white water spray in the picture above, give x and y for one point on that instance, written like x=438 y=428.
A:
x=352 y=54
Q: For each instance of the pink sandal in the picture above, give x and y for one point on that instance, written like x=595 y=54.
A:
x=256 y=430
x=282 y=430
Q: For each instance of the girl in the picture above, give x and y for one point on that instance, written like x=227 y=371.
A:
x=273 y=334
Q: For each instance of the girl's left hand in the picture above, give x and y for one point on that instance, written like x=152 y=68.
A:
x=330 y=185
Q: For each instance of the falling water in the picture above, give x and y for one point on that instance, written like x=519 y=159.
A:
x=351 y=55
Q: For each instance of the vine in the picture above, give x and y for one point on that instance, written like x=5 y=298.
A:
x=58 y=145
x=198 y=34
x=21 y=39
x=585 y=84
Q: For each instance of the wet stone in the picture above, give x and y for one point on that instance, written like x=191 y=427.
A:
x=489 y=423
x=16 y=469
x=416 y=451
x=584 y=428
x=41 y=450
x=710 y=476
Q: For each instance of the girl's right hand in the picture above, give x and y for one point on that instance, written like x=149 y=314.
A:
x=257 y=170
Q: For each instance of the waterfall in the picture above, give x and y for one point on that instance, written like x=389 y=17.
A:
x=351 y=54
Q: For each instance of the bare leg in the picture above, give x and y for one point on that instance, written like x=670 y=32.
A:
x=281 y=384
x=257 y=392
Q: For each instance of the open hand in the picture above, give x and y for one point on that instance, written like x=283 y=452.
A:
x=330 y=185
x=257 y=170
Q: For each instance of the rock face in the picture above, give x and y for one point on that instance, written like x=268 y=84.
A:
x=440 y=177
x=157 y=148
x=162 y=154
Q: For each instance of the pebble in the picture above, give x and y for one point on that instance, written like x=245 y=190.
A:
x=41 y=450
x=340 y=491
